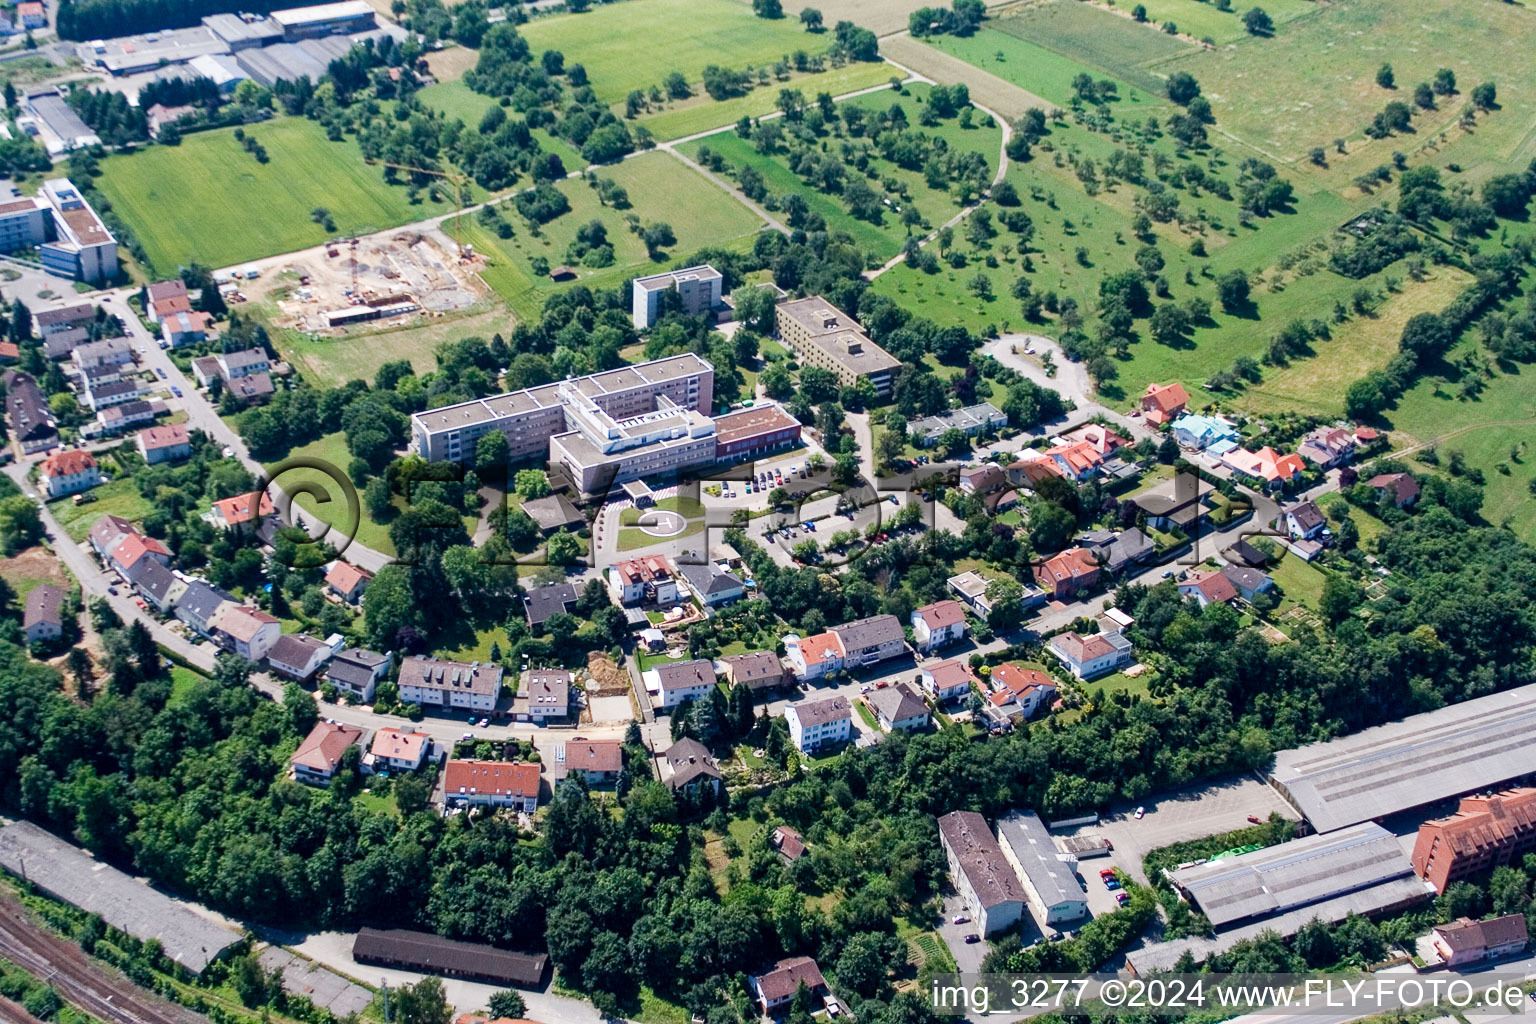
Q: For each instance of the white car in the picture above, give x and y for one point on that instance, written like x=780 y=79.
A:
x=229 y=452
x=1141 y=812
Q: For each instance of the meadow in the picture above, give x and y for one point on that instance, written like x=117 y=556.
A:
x=691 y=34
x=1203 y=20
x=1029 y=66
x=359 y=352
x=1115 y=45
x=699 y=113
x=195 y=201
x=661 y=189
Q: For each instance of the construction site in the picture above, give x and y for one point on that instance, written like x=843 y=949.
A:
x=384 y=280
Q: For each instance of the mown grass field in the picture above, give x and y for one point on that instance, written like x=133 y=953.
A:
x=661 y=188
x=457 y=100
x=1115 y=45
x=1315 y=80
x=208 y=200
x=688 y=35
x=699 y=113
x=120 y=497
x=357 y=355
x=1202 y=20
x=1029 y=66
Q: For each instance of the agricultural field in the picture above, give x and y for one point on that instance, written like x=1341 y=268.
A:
x=1029 y=66
x=661 y=189
x=988 y=89
x=1108 y=42
x=697 y=33
x=699 y=113
x=195 y=201
x=1315 y=80
x=1203 y=20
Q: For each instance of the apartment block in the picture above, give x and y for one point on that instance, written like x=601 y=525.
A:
x=698 y=289
x=824 y=336
x=1485 y=832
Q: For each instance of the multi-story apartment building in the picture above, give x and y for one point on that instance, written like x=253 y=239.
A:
x=80 y=245
x=432 y=682
x=698 y=289
x=824 y=336
x=981 y=872
x=492 y=784
x=819 y=723
x=1485 y=832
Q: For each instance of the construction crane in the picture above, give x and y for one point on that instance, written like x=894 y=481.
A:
x=460 y=183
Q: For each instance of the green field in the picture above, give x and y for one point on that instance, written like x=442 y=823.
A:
x=689 y=35
x=120 y=497
x=358 y=353
x=700 y=113
x=1114 y=45
x=1315 y=80
x=208 y=200
x=1029 y=66
x=457 y=100
x=1202 y=20
x=661 y=188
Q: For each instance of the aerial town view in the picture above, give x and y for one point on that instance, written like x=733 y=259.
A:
x=719 y=512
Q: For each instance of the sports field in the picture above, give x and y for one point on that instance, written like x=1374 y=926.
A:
x=688 y=34
x=210 y=201
x=1315 y=80
x=661 y=189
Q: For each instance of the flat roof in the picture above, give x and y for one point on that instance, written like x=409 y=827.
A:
x=322 y=12
x=1053 y=881
x=667 y=278
x=1295 y=874
x=762 y=419
x=128 y=904
x=1477 y=744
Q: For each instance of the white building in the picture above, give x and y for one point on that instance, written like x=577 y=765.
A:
x=814 y=724
x=512 y=784
x=68 y=472
x=398 y=750
x=982 y=875
x=1091 y=656
x=937 y=624
x=671 y=683
x=244 y=630
x=947 y=680
x=698 y=288
x=1050 y=883
x=432 y=682
x=357 y=671
x=899 y=708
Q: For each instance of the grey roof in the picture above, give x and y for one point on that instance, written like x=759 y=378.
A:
x=862 y=633
x=898 y=703
x=294 y=649
x=970 y=418
x=707 y=580
x=155 y=580
x=80 y=312
x=1306 y=514
x=756 y=665
x=1421 y=759
x=1182 y=492
x=819 y=712
x=682 y=675
x=246 y=357
x=1245 y=578
x=117 y=387
x=449 y=957
x=550 y=687
x=975 y=849
x=1035 y=853
x=43 y=604
x=690 y=760
x=104 y=347
x=553 y=511
x=1293 y=875
x=61 y=343
x=201 y=599
x=1244 y=553
x=70 y=874
x=26 y=406
x=462 y=677
x=353 y=666
x=542 y=602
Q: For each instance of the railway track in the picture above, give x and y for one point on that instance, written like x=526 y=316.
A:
x=103 y=994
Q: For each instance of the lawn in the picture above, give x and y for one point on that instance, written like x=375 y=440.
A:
x=359 y=352
x=457 y=100
x=183 y=681
x=1301 y=581
x=1315 y=80
x=690 y=508
x=688 y=35
x=121 y=497
x=1203 y=20
x=1028 y=65
x=699 y=113
x=1114 y=45
x=209 y=200
x=661 y=188
x=377 y=803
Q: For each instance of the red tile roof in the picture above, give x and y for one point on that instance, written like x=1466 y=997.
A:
x=400 y=746
x=821 y=647
x=1213 y=585
x=345 y=577
x=942 y=614
x=67 y=463
x=491 y=778
x=1166 y=397
x=164 y=437
x=238 y=510
x=135 y=546
x=1019 y=680
x=323 y=747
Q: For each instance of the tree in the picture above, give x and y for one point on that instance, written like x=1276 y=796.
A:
x=1139 y=13
x=1232 y=291
x=1258 y=22
x=810 y=17
x=1445 y=82
x=768 y=9
x=530 y=483
x=507 y=1004
x=302 y=713
x=1341 y=596
x=21 y=524
x=563 y=548
x=422 y=1003
x=1424 y=96
x=1182 y=87
x=1485 y=96
x=79 y=664
x=492 y=450
x=656 y=238
x=1425 y=335
x=388 y=605
x=1385 y=78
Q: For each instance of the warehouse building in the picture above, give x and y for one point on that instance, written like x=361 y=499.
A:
x=450 y=958
x=1049 y=881
x=981 y=872
x=323 y=20
x=1476 y=745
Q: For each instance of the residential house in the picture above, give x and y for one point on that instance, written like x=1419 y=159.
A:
x=998 y=503
x=347 y=581
x=542 y=602
x=554 y=512
x=671 y=683
x=181 y=329
x=982 y=479
x=1327 y=446
x=118 y=392
x=320 y=755
x=53 y=322
x=1078 y=460
x=110 y=536
x=43 y=617
x=159 y=116
x=690 y=766
x=1177 y=504
x=776 y=988
x=158 y=586
x=357 y=671
x=245 y=363
x=1304 y=521
x=788 y=843
x=399 y=750
x=449 y=684
x=68 y=472
x=813 y=657
x=102 y=375
x=32 y=14
x=298 y=656
x=26 y=408
x=1266 y=466
x=971 y=587
x=205 y=370
x=648 y=580
x=712 y=586
x=543 y=694
x=244 y=630
x=1029 y=688
x=1465 y=941
x=760 y=670
x=511 y=784
x=899 y=707
x=870 y=641
x=814 y=724
x=985 y=880
x=1116 y=552
x=134 y=552
x=598 y=761
x=1162 y=403
x=163 y=298
x=970 y=421
x=1403 y=489
x=243 y=513
x=164 y=444
x=201 y=604
x=937 y=624
x=947 y=680
x=1247 y=581
x=1244 y=553
x=1205 y=433
x=1208 y=587
x=61 y=345
x=1091 y=656
x=1065 y=575
x=1031 y=469
x=1100 y=438
x=251 y=389
x=10 y=352
x=106 y=352
x=115 y=419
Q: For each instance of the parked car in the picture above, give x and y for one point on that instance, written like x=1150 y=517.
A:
x=228 y=452
x=973 y=937
x=1255 y=819
x=1141 y=812
x=1122 y=898
x=160 y=373
x=1111 y=883
x=961 y=919
x=1106 y=872
x=175 y=390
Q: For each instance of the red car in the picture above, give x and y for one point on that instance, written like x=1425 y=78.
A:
x=1255 y=819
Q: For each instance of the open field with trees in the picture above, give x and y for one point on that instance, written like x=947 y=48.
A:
x=700 y=113
x=210 y=201
x=1115 y=45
